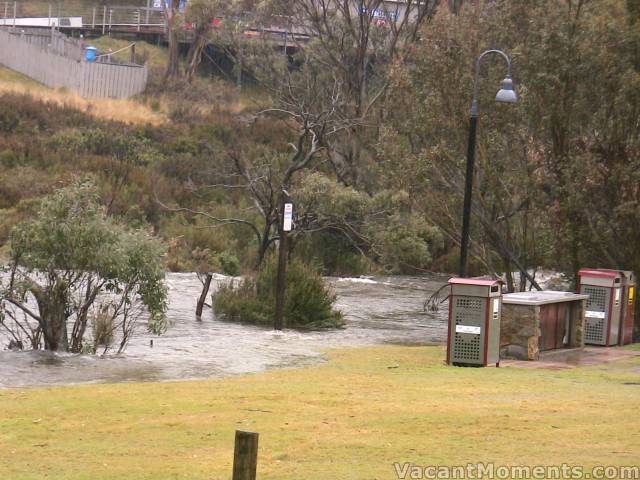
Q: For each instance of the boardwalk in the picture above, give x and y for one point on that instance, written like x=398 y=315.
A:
x=141 y=21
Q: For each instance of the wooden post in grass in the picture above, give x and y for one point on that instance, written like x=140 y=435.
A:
x=245 y=456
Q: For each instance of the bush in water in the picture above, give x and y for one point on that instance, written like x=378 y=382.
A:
x=308 y=300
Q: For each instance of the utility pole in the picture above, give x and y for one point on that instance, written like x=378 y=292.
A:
x=285 y=226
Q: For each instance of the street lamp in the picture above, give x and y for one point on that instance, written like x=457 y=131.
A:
x=506 y=94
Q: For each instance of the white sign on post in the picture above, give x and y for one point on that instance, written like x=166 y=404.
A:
x=287 y=223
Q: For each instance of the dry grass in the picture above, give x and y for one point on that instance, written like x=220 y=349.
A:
x=350 y=418
x=121 y=110
x=203 y=97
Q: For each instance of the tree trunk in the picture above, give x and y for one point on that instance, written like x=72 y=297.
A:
x=53 y=313
x=173 y=65
x=194 y=57
x=173 y=70
x=203 y=295
x=82 y=317
x=455 y=6
x=506 y=265
x=264 y=245
x=239 y=68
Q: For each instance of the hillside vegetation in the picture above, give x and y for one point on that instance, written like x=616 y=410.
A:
x=370 y=144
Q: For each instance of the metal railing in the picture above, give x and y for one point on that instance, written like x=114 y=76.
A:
x=131 y=19
x=101 y=18
x=127 y=18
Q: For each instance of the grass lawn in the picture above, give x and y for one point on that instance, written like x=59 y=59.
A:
x=349 y=418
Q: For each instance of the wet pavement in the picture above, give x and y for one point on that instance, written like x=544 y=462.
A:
x=377 y=310
x=574 y=357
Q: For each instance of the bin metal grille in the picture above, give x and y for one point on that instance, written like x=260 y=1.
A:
x=594 y=331
x=595 y=328
x=468 y=311
x=466 y=348
x=597 y=298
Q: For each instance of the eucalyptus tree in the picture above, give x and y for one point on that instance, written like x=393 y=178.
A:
x=174 y=22
x=204 y=18
x=72 y=264
x=557 y=180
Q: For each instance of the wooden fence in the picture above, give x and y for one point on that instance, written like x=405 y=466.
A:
x=57 y=61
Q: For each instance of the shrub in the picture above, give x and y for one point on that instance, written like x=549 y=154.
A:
x=229 y=263
x=308 y=300
x=154 y=104
x=183 y=112
x=103 y=328
x=8 y=158
x=9 y=120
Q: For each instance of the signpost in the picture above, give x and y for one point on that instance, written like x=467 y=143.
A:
x=286 y=226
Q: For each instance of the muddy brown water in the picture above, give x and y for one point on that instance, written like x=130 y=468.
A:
x=377 y=310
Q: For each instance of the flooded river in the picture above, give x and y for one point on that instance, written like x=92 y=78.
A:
x=377 y=310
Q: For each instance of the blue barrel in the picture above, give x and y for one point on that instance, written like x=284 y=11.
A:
x=90 y=53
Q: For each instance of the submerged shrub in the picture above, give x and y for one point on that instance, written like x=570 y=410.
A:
x=103 y=328
x=308 y=300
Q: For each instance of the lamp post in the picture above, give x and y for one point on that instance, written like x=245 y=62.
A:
x=506 y=94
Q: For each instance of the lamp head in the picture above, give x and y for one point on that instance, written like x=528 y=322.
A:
x=507 y=94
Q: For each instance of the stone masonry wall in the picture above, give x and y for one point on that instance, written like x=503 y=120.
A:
x=519 y=332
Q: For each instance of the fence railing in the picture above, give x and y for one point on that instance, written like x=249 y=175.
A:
x=52 y=41
x=105 y=17
x=57 y=61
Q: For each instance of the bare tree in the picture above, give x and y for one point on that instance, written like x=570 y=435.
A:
x=309 y=109
x=356 y=43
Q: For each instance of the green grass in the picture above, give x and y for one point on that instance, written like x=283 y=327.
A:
x=350 y=418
